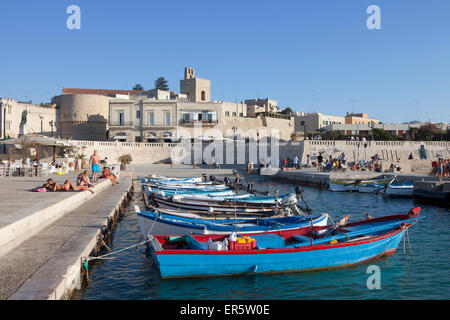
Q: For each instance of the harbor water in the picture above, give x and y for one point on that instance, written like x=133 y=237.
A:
x=424 y=274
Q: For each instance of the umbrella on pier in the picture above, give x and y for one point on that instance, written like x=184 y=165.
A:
x=39 y=140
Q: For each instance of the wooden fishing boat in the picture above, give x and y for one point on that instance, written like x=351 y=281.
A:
x=217 y=193
x=302 y=249
x=405 y=189
x=156 y=223
x=368 y=186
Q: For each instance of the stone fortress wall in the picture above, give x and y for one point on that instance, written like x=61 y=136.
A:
x=84 y=116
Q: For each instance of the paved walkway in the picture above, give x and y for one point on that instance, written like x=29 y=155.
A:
x=40 y=268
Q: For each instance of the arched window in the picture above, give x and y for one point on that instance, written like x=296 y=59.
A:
x=203 y=95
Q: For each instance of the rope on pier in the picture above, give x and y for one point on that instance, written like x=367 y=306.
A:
x=85 y=260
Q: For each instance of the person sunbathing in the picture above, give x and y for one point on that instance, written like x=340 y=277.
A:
x=51 y=185
x=67 y=186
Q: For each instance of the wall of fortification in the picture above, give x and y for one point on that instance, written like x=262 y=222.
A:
x=83 y=116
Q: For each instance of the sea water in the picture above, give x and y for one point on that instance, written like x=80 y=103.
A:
x=424 y=274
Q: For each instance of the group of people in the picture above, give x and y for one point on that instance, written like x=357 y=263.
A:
x=296 y=164
x=83 y=181
x=441 y=168
x=332 y=164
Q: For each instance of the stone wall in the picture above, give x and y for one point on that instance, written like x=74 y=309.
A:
x=229 y=152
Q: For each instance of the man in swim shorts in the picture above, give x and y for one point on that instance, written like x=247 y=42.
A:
x=94 y=162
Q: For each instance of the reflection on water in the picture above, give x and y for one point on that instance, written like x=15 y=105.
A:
x=423 y=275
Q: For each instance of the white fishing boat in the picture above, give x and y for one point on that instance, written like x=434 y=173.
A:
x=400 y=189
x=369 y=185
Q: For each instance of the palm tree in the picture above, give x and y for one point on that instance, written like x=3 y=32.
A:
x=138 y=87
x=161 y=84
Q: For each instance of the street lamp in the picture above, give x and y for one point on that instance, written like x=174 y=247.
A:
x=372 y=125
x=42 y=122
x=52 y=123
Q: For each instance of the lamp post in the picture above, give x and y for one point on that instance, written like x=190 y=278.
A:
x=52 y=123
x=372 y=125
x=42 y=122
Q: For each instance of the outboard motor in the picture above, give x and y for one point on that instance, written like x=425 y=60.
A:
x=290 y=202
x=205 y=179
x=227 y=181
x=212 y=178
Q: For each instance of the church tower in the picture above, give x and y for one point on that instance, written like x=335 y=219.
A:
x=196 y=89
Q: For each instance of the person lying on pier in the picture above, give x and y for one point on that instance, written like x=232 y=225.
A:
x=83 y=180
x=67 y=186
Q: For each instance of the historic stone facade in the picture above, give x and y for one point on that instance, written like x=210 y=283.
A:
x=83 y=116
x=18 y=118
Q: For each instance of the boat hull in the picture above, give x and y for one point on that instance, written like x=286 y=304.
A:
x=217 y=263
x=365 y=186
x=151 y=226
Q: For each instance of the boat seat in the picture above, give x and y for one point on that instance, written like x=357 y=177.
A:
x=268 y=241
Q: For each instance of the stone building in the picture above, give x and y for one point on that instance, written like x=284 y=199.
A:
x=312 y=122
x=359 y=118
x=17 y=118
x=255 y=106
x=196 y=89
x=156 y=115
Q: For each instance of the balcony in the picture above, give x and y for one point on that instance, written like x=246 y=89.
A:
x=191 y=123
x=121 y=123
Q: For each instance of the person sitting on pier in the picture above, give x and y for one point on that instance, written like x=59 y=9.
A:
x=107 y=174
x=83 y=180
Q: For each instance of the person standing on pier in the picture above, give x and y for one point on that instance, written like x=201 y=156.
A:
x=296 y=163
x=320 y=161
x=94 y=162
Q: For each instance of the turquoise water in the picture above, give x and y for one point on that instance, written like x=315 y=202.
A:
x=423 y=275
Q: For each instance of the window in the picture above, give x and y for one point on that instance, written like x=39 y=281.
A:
x=227 y=113
x=121 y=118
x=203 y=95
x=138 y=114
x=241 y=114
x=234 y=114
x=302 y=123
x=151 y=119
x=167 y=118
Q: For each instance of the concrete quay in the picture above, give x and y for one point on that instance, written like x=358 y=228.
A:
x=54 y=230
x=312 y=177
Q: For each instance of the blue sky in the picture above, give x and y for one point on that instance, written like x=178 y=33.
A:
x=292 y=51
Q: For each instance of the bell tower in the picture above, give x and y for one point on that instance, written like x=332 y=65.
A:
x=197 y=89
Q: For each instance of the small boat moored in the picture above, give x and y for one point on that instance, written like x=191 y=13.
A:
x=302 y=249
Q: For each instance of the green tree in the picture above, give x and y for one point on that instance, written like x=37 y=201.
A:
x=428 y=132
x=333 y=135
x=383 y=135
x=161 y=84
x=287 y=111
x=138 y=87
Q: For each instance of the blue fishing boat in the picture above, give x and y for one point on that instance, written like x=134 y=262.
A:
x=156 y=223
x=302 y=249
x=200 y=191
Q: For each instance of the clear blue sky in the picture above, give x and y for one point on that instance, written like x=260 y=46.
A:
x=285 y=50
